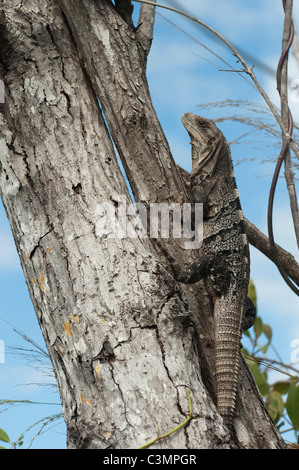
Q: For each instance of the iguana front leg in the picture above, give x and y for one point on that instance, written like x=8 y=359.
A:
x=217 y=279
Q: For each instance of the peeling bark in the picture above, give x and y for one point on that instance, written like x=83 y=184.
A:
x=124 y=338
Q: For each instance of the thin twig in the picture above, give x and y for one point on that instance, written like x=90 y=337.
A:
x=266 y=68
x=248 y=121
x=203 y=46
x=282 y=77
x=269 y=364
x=247 y=69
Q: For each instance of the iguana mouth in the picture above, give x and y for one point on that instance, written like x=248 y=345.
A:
x=203 y=132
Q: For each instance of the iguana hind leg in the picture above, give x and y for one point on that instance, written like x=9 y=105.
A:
x=249 y=314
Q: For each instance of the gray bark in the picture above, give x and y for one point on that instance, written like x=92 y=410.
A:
x=124 y=338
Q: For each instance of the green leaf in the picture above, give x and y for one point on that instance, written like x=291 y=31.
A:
x=258 y=327
x=282 y=387
x=252 y=292
x=275 y=406
x=292 y=404
x=3 y=436
x=264 y=348
x=267 y=330
x=260 y=378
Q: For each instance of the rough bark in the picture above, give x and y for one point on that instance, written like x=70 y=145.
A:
x=125 y=340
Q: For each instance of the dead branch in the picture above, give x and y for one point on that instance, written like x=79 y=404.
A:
x=286 y=116
x=260 y=241
x=146 y=25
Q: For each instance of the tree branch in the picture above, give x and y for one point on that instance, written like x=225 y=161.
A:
x=286 y=116
x=146 y=25
x=288 y=32
x=260 y=241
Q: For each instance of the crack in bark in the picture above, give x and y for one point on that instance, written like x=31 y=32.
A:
x=50 y=34
x=32 y=252
x=121 y=394
x=160 y=343
x=25 y=160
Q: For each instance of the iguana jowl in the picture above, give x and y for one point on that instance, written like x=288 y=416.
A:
x=224 y=254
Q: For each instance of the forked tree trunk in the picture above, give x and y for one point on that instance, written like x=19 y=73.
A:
x=125 y=339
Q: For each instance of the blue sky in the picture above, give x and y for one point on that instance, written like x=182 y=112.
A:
x=183 y=76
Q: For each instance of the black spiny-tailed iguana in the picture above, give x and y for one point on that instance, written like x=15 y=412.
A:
x=224 y=254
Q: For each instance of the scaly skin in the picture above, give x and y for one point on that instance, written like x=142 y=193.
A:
x=224 y=255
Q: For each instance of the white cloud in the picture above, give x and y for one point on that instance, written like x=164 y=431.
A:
x=293 y=96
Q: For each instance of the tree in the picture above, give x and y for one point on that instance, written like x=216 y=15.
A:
x=124 y=338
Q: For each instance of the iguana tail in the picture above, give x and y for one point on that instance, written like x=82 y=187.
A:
x=228 y=329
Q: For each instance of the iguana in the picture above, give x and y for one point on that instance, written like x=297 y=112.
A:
x=224 y=255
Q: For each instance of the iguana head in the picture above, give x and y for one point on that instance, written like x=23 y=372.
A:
x=203 y=132
x=208 y=144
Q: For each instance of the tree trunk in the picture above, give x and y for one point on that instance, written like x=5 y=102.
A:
x=124 y=338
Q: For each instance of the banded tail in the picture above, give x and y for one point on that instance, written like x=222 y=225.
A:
x=228 y=330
